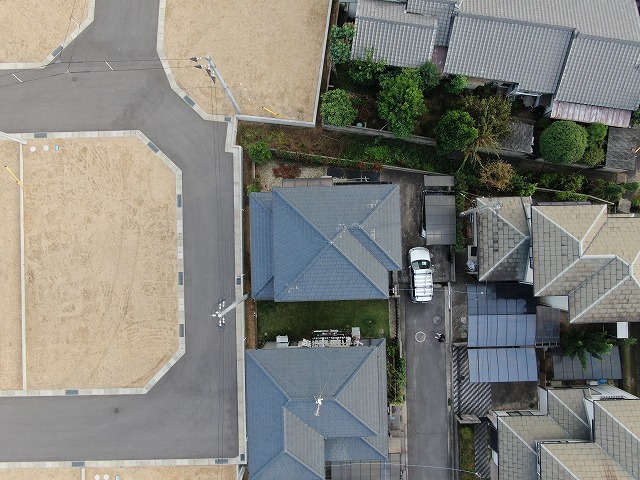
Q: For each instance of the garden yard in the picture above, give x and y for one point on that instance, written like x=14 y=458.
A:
x=297 y=320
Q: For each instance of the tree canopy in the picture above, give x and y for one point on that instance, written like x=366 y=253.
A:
x=455 y=131
x=340 y=42
x=400 y=102
x=430 y=76
x=366 y=71
x=563 y=142
x=336 y=108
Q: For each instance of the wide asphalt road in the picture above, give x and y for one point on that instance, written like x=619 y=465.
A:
x=427 y=416
x=192 y=412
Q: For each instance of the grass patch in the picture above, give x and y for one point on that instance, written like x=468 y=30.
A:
x=299 y=319
x=467 y=452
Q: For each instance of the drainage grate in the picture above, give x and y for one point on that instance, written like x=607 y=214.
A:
x=179 y=200
x=180 y=278
x=77 y=464
x=40 y=135
x=71 y=392
x=188 y=101
x=152 y=146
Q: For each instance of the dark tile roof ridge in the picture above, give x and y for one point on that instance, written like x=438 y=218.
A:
x=283 y=453
x=593 y=224
x=506 y=255
x=356 y=417
x=600 y=404
x=560 y=227
x=302 y=215
x=382 y=201
x=259 y=288
x=380 y=249
x=605 y=294
x=306 y=268
x=567 y=407
x=269 y=374
x=533 y=416
x=364 y=275
x=373 y=447
x=518 y=22
x=539 y=292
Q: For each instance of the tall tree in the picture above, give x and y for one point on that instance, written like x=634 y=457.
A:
x=400 y=102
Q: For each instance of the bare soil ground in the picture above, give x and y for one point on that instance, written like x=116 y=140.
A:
x=216 y=472
x=269 y=53
x=100 y=263
x=11 y=321
x=32 y=29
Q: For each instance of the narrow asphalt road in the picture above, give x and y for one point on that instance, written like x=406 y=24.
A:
x=192 y=412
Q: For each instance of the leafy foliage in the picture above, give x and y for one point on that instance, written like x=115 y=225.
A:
x=340 y=43
x=455 y=84
x=259 y=152
x=287 y=171
x=430 y=75
x=596 y=133
x=366 y=71
x=455 y=131
x=400 y=102
x=336 y=108
x=569 y=197
x=635 y=119
x=610 y=191
x=559 y=181
x=593 y=156
x=498 y=175
x=396 y=373
x=577 y=342
x=522 y=186
x=563 y=142
x=491 y=116
x=254 y=186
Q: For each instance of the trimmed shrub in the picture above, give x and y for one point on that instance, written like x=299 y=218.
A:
x=593 y=156
x=455 y=84
x=400 y=102
x=455 y=131
x=336 y=108
x=340 y=43
x=521 y=186
x=366 y=71
x=259 y=152
x=596 y=133
x=254 y=186
x=563 y=142
x=569 y=197
x=430 y=76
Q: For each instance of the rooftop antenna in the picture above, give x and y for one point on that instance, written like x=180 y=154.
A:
x=494 y=207
x=318 y=405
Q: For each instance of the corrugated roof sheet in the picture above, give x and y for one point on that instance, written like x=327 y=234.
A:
x=508 y=51
x=440 y=218
x=285 y=438
x=570 y=368
x=578 y=112
x=604 y=18
x=502 y=365
x=399 y=38
x=602 y=72
x=442 y=10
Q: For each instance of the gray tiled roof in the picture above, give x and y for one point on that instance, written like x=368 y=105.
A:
x=621 y=145
x=327 y=243
x=605 y=18
x=566 y=406
x=261 y=236
x=503 y=239
x=442 y=10
x=399 y=38
x=583 y=461
x=617 y=431
x=517 y=438
x=602 y=72
x=531 y=55
x=285 y=438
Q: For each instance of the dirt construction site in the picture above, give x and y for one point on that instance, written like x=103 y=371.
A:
x=269 y=53
x=94 y=304
x=32 y=29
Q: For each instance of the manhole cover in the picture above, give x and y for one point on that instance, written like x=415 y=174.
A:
x=421 y=337
x=437 y=319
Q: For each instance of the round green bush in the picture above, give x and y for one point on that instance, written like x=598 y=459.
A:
x=563 y=142
x=455 y=84
x=430 y=76
x=336 y=108
x=596 y=133
x=593 y=156
x=260 y=152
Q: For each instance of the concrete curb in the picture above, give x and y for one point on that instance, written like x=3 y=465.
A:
x=172 y=462
x=180 y=271
x=91 y=7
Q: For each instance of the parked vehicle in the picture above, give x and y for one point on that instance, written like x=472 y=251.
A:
x=421 y=275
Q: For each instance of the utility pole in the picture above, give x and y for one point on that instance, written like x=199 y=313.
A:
x=494 y=207
x=213 y=73
x=222 y=311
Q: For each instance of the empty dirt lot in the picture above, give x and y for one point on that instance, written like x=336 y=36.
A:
x=269 y=53
x=32 y=29
x=217 y=472
x=100 y=264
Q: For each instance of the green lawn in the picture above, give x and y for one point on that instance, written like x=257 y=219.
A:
x=298 y=319
x=467 y=452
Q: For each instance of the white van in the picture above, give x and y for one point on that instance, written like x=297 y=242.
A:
x=421 y=275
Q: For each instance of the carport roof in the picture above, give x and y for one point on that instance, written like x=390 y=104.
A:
x=570 y=368
x=502 y=365
x=440 y=217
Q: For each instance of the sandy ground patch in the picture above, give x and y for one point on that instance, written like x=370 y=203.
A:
x=100 y=263
x=10 y=318
x=32 y=29
x=40 y=474
x=213 y=472
x=269 y=53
